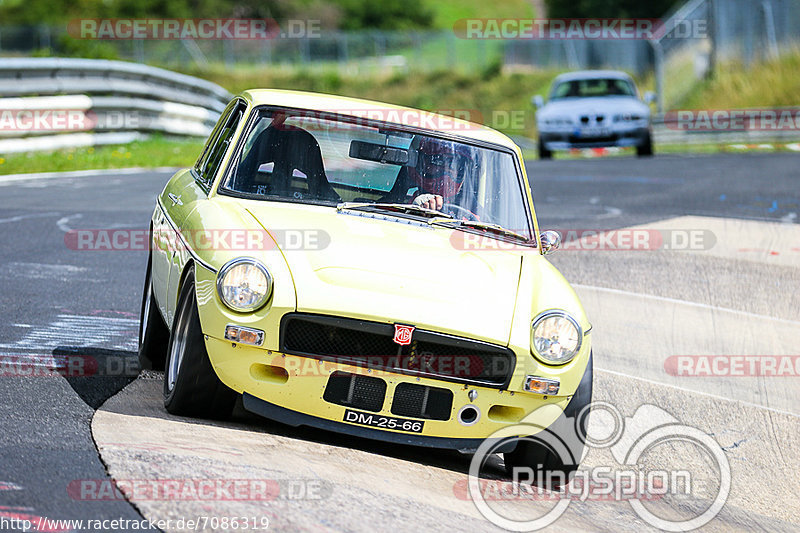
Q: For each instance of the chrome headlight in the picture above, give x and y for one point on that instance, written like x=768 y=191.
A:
x=627 y=117
x=558 y=121
x=244 y=284
x=556 y=337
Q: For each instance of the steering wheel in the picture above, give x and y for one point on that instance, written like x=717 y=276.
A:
x=459 y=212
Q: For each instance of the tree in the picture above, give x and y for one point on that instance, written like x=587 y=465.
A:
x=384 y=15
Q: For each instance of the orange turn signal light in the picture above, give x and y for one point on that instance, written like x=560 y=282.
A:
x=542 y=385
x=244 y=335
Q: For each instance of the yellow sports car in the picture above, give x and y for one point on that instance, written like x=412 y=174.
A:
x=362 y=268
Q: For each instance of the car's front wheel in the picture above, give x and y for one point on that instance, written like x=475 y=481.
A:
x=191 y=387
x=555 y=453
x=646 y=148
x=544 y=153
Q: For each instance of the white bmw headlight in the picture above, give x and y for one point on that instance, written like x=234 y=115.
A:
x=627 y=117
x=556 y=337
x=558 y=121
x=244 y=284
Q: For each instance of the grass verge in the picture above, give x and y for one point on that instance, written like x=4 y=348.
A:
x=772 y=83
x=150 y=153
x=498 y=100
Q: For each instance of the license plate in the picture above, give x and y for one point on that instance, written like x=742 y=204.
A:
x=593 y=132
x=383 y=422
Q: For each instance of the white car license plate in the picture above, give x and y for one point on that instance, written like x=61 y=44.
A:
x=593 y=132
x=384 y=422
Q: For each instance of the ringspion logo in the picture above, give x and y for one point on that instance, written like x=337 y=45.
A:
x=630 y=479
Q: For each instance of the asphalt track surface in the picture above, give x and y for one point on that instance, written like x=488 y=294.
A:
x=58 y=302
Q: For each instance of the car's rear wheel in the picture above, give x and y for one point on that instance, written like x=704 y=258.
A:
x=646 y=148
x=555 y=453
x=544 y=153
x=191 y=387
x=153 y=332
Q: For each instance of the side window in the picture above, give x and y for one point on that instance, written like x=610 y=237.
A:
x=208 y=163
x=226 y=113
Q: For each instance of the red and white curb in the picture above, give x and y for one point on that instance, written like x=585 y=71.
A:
x=794 y=147
x=600 y=152
x=595 y=152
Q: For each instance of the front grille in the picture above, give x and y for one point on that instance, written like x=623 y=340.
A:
x=420 y=401
x=351 y=390
x=370 y=344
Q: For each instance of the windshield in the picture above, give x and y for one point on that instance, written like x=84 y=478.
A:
x=318 y=159
x=593 y=87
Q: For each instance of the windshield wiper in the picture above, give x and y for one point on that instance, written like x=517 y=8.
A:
x=402 y=208
x=476 y=224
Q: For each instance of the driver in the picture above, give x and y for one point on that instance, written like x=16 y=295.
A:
x=439 y=172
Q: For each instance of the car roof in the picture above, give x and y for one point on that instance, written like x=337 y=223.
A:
x=393 y=114
x=593 y=75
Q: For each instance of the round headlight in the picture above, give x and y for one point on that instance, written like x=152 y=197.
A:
x=244 y=284
x=556 y=337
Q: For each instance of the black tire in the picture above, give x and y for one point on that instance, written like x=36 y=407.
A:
x=544 y=153
x=191 y=387
x=153 y=332
x=540 y=457
x=646 y=148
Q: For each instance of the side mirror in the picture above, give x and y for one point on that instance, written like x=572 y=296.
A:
x=649 y=97
x=538 y=101
x=551 y=241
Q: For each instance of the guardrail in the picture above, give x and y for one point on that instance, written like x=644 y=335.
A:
x=51 y=103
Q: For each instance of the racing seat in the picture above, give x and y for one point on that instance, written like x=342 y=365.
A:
x=294 y=154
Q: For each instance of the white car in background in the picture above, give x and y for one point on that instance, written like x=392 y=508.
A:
x=593 y=109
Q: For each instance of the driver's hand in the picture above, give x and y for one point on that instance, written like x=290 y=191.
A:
x=429 y=201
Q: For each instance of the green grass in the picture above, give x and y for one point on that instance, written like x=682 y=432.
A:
x=773 y=83
x=447 y=12
x=495 y=98
x=150 y=153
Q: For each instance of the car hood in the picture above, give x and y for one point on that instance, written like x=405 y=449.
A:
x=574 y=107
x=391 y=271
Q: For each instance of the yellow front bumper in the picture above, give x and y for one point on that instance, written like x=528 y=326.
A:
x=297 y=384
